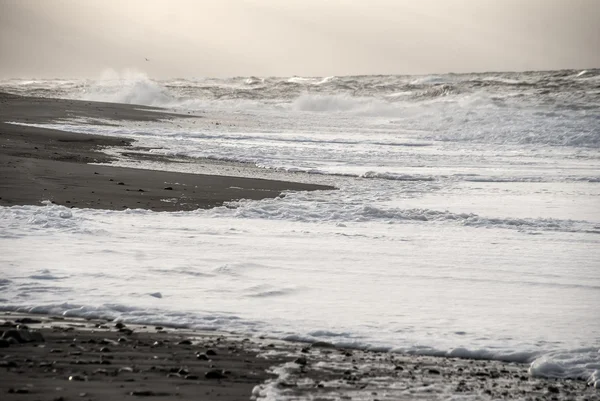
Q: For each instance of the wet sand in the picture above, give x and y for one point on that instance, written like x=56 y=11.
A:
x=97 y=359
x=42 y=164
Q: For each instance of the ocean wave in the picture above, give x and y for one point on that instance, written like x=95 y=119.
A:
x=130 y=87
x=289 y=209
x=577 y=363
x=49 y=218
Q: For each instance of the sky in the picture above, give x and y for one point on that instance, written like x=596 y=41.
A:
x=221 y=38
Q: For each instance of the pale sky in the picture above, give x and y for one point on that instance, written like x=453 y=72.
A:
x=203 y=38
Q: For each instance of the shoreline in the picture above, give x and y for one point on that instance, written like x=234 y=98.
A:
x=109 y=359
x=38 y=164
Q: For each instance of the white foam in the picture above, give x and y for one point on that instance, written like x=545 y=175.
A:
x=130 y=86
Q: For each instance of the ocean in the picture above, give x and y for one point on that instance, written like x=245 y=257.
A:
x=466 y=221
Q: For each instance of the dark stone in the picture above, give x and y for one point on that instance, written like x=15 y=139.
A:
x=28 y=320
x=169 y=188
x=211 y=352
x=143 y=393
x=8 y=364
x=120 y=183
x=119 y=325
x=126 y=331
x=56 y=351
x=78 y=378
x=185 y=342
x=433 y=371
x=301 y=361
x=553 y=389
x=4 y=343
x=192 y=377
x=202 y=357
x=104 y=349
x=322 y=344
x=21 y=391
x=398 y=368
x=215 y=374
x=23 y=336
x=304 y=350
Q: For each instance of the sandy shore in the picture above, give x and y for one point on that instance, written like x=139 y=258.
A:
x=56 y=358
x=42 y=164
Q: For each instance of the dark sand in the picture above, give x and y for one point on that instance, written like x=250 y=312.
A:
x=96 y=360
x=42 y=164
x=93 y=360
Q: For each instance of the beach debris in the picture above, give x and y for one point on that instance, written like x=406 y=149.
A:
x=78 y=378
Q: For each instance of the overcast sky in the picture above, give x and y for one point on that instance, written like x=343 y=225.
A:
x=194 y=38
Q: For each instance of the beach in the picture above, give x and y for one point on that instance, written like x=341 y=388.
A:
x=97 y=359
x=91 y=355
x=38 y=164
